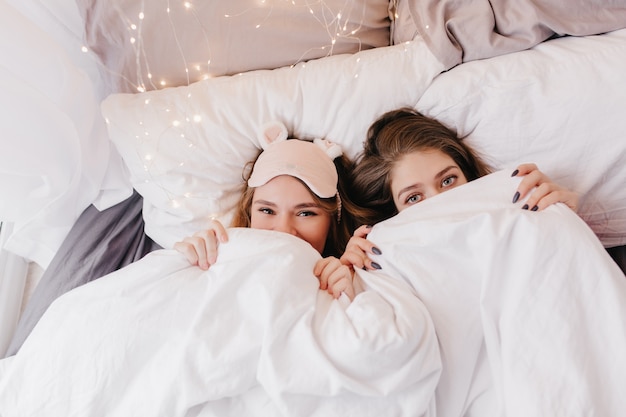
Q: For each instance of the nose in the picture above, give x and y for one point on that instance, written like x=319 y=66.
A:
x=285 y=224
x=431 y=192
x=434 y=192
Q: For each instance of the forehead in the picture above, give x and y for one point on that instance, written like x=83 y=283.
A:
x=419 y=166
x=284 y=189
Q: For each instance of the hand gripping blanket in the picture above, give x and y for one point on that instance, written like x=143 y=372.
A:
x=481 y=308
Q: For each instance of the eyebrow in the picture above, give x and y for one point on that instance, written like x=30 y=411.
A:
x=418 y=185
x=298 y=206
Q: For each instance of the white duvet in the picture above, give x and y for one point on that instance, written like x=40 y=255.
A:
x=481 y=308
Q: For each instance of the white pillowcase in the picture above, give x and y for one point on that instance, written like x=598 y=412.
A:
x=559 y=105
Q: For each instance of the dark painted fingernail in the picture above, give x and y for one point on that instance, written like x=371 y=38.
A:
x=515 y=172
x=516 y=197
x=364 y=268
x=535 y=208
x=369 y=226
x=376 y=266
x=376 y=251
x=525 y=207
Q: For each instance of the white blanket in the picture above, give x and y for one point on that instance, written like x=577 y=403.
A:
x=528 y=309
x=252 y=336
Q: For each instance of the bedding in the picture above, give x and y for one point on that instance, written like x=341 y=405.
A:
x=151 y=45
x=56 y=157
x=517 y=89
x=252 y=334
x=185 y=149
x=533 y=296
x=70 y=42
x=66 y=57
x=115 y=239
x=464 y=31
x=480 y=308
x=533 y=106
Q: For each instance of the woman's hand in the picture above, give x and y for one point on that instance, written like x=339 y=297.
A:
x=335 y=277
x=546 y=193
x=201 y=248
x=358 y=248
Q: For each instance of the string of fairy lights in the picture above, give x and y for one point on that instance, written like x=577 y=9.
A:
x=338 y=19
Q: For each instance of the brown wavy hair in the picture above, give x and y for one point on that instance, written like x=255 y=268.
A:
x=393 y=135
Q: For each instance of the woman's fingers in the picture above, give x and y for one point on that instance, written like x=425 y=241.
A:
x=335 y=277
x=362 y=231
x=219 y=230
x=188 y=250
x=201 y=248
x=548 y=194
x=319 y=269
x=544 y=191
x=343 y=285
x=357 y=253
x=340 y=280
x=205 y=244
x=524 y=169
x=531 y=180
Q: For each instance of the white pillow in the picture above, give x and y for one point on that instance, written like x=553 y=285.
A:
x=145 y=45
x=559 y=105
x=186 y=147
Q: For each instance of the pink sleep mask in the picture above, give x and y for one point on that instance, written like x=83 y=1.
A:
x=311 y=162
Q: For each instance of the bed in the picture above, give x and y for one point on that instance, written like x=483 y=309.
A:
x=126 y=126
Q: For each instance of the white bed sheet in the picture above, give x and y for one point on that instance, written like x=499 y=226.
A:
x=529 y=313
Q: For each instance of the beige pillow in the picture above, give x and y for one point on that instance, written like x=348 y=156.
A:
x=147 y=45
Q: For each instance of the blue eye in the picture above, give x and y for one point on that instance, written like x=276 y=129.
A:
x=448 y=181
x=266 y=210
x=414 y=198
